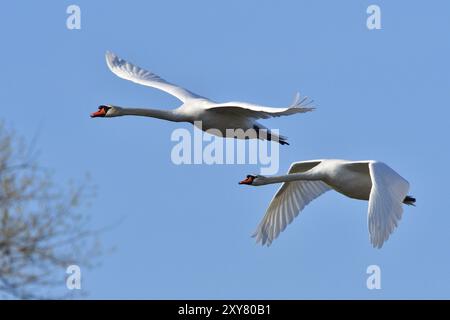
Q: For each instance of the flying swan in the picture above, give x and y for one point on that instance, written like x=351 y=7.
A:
x=194 y=108
x=369 y=180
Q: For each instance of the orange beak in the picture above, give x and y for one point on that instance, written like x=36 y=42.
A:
x=100 y=113
x=248 y=180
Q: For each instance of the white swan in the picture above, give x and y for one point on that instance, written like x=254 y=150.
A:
x=369 y=180
x=220 y=116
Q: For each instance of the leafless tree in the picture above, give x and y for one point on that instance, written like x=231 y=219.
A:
x=43 y=229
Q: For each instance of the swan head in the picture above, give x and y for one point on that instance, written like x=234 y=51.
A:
x=105 y=111
x=254 y=180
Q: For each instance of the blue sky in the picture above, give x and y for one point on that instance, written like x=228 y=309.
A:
x=381 y=95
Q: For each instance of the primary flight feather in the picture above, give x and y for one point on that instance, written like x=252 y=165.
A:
x=369 y=180
x=200 y=111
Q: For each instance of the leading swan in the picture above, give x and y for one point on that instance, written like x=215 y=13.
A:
x=369 y=180
x=202 y=112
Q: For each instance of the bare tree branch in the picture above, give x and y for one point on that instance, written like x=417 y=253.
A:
x=42 y=226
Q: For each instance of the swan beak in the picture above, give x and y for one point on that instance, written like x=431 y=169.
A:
x=248 y=180
x=100 y=113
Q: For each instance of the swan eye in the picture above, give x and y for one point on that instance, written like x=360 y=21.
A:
x=102 y=111
x=248 y=180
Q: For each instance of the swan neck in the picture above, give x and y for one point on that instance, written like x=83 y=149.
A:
x=291 y=177
x=169 y=115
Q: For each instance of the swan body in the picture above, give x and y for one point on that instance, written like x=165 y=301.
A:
x=197 y=109
x=368 y=180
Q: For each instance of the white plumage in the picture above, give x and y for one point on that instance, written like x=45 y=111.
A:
x=370 y=180
x=220 y=116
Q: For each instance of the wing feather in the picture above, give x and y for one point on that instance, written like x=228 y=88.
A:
x=385 y=210
x=289 y=200
x=131 y=72
x=262 y=112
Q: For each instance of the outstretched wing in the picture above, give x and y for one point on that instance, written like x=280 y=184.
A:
x=300 y=105
x=287 y=203
x=131 y=72
x=388 y=191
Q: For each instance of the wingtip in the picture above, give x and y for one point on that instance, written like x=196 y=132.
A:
x=374 y=245
x=305 y=103
x=110 y=57
x=264 y=242
x=377 y=243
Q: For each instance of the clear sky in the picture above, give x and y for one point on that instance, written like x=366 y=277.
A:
x=381 y=94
